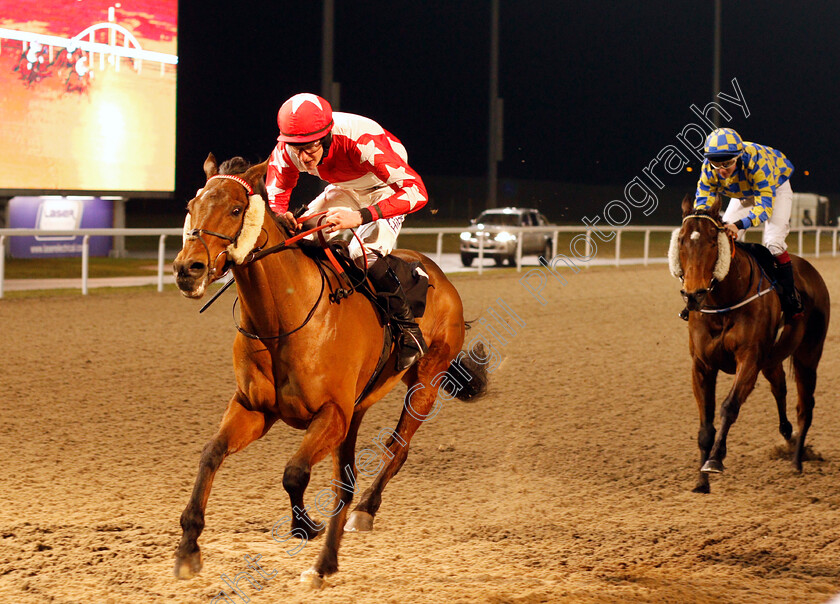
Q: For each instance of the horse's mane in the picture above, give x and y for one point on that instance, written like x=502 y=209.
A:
x=240 y=165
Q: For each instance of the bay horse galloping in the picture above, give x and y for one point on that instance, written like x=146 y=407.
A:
x=306 y=359
x=735 y=327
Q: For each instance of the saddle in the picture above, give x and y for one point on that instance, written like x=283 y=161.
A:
x=766 y=260
x=412 y=277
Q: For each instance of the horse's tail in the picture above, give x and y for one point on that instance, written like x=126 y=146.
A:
x=467 y=378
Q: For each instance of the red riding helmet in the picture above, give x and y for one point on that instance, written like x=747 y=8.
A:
x=304 y=118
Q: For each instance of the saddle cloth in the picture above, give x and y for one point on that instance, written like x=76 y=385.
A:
x=766 y=260
x=411 y=275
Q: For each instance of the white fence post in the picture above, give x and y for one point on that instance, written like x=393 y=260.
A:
x=439 y=249
x=480 y=251
x=519 y=252
x=161 y=253
x=647 y=246
x=618 y=249
x=85 y=267
x=2 y=262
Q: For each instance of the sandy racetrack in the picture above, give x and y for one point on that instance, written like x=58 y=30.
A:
x=569 y=482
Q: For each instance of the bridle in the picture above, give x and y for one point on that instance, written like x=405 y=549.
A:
x=719 y=228
x=193 y=234
x=714 y=281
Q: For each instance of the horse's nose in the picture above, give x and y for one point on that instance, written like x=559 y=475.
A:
x=694 y=300
x=188 y=269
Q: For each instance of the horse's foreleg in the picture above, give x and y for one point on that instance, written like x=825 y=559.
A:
x=776 y=377
x=324 y=433
x=417 y=407
x=806 y=383
x=239 y=428
x=745 y=377
x=344 y=485
x=704 y=380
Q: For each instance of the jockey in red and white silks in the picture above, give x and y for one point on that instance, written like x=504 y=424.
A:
x=366 y=166
x=371 y=186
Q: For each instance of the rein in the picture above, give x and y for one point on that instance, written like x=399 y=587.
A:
x=759 y=292
x=284 y=245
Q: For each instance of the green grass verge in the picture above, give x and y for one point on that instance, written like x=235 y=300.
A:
x=68 y=268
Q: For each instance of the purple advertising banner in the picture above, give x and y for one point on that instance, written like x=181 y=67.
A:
x=59 y=213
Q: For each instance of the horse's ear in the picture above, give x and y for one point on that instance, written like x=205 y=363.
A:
x=211 y=168
x=256 y=173
x=687 y=205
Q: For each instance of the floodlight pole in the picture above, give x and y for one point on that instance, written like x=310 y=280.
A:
x=494 y=143
x=329 y=90
x=716 y=65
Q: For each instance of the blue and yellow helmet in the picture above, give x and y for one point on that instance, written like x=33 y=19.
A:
x=723 y=144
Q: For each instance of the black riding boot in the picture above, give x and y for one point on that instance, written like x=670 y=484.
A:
x=411 y=345
x=791 y=302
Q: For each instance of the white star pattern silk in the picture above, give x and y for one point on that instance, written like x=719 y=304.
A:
x=413 y=195
x=300 y=99
x=397 y=174
x=363 y=158
x=368 y=152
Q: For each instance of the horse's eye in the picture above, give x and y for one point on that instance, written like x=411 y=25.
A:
x=236 y=211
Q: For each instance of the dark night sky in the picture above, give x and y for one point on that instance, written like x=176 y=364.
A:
x=592 y=91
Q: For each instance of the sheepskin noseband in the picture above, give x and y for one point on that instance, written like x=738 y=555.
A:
x=250 y=232
x=721 y=265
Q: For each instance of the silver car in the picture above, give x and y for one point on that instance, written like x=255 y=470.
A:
x=499 y=243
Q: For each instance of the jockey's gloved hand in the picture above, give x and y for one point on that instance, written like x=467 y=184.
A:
x=292 y=221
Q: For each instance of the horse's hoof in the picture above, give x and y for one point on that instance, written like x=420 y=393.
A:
x=359 y=522
x=701 y=488
x=312 y=578
x=712 y=466
x=189 y=566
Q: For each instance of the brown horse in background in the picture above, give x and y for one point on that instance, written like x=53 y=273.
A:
x=311 y=361
x=735 y=328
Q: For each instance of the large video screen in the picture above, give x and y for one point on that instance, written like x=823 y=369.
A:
x=87 y=95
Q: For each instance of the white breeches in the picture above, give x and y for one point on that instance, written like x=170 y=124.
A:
x=379 y=235
x=776 y=228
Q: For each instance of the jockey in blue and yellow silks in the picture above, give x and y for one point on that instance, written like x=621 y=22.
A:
x=757 y=179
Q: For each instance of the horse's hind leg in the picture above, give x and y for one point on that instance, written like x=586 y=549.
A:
x=238 y=429
x=704 y=380
x=416 y=409
x=776 y=377
x=806 y=383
